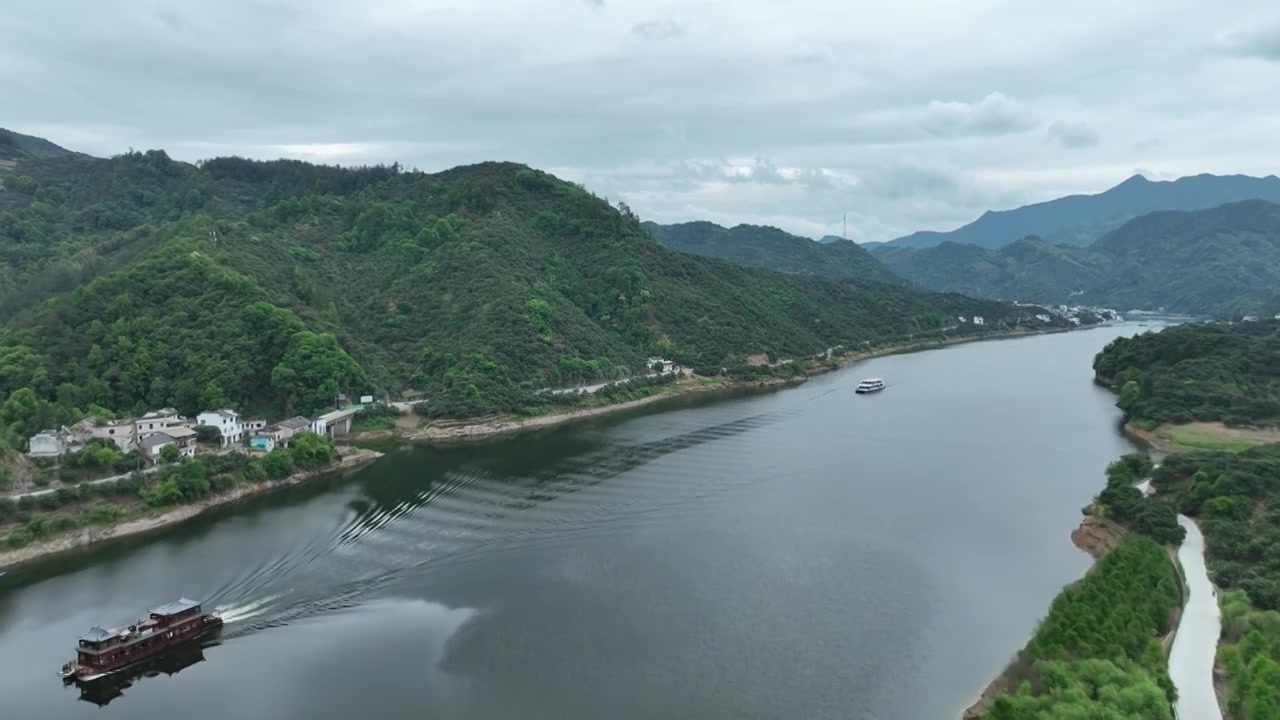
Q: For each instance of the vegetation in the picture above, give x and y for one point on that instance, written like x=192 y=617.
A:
x=34 y=518
x=1082 y=219
x=1123 y=502
x=1250 y=654
x=1197 y=371
x=1235 y=497
x=138 y=282
x=375 y=417
x=773 y=249
x=1223 y=261
x=1098 y=654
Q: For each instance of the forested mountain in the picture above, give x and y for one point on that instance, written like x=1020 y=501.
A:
x=1082 y=219
x=773 y=249
x=1220 y=261
x=138 y=281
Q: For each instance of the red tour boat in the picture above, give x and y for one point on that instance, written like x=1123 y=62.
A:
x=102 y=651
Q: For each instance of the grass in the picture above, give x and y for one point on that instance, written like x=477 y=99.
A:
x=1215 y=436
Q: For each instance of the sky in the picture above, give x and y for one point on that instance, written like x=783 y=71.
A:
x=903 y=114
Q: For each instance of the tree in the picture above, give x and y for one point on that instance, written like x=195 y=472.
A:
x=169 y=454
x=314 y=372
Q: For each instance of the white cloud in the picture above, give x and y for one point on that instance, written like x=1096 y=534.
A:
x=906 y=115
x=995 y=114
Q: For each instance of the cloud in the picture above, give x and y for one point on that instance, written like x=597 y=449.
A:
x=1263 y=44
x=1072 y=135
x=994 y=114
x=907 y=116
x=658 y=29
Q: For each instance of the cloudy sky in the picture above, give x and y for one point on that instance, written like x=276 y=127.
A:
x=906 y=114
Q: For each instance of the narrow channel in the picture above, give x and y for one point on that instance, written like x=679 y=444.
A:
x=1196 y=644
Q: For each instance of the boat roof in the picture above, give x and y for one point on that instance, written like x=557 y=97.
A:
x=180 y=605
x=872 y=380
x=97 y=634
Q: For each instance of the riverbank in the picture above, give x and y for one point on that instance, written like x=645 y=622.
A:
x=1194 y=436
x=145 y=521
x=1098 y=535
x=465 y=431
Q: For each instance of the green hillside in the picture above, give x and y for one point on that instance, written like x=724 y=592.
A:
x=1223 y=261
x=773 y=249
x=139 y=281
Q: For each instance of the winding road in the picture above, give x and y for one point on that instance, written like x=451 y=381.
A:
x=1196 y=644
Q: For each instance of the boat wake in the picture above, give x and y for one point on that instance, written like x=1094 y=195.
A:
x=483 y=507
x=243 y=611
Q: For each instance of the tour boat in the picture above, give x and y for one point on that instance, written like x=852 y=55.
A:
x=870 y=385
x=102 y=651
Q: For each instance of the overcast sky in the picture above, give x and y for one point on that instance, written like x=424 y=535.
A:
x=906 y=114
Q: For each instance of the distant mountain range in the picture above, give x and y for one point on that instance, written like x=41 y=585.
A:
x=1082 y=219
x=1223 y=260
x=769 y=248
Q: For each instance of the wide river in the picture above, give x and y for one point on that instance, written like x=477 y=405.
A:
x=801 y=553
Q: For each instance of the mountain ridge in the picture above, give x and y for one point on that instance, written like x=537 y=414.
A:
x=1223 y=260
x=1080 y=219
x=770 y=248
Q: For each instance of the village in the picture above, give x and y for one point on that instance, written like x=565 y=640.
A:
x=151 y=433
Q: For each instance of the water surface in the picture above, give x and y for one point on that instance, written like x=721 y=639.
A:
x=806 y=552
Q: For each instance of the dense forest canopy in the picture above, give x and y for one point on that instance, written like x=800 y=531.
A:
x=1097 y=654
x=139 y=281
x=1209 y=371
x=1222 y=261
x=773 y=249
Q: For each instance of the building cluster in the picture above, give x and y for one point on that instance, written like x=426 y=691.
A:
x=1072 y=313
x=150 y=433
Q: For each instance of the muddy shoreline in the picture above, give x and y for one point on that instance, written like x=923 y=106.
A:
x=453 y=432
x=86 y=537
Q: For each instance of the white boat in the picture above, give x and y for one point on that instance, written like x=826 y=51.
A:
x=870 y=385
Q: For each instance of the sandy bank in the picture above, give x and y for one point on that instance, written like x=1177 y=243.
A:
x=84 y=537
x=467 y=431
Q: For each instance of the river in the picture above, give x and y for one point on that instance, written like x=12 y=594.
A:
x=805 y=552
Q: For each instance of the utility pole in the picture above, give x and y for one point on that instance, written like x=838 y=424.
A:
x=844 y=234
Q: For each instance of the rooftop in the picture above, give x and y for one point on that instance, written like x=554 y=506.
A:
x=178 y=432
x=295 y=423
x=152 y=441
x=97 y=634
x=180 y=605
x=162 y=412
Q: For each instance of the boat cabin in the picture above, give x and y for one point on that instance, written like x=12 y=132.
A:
x=103 y=648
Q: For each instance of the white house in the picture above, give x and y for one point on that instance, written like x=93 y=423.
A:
x=157 y=420
x=254 y=424
x=47 y=443
x=228 y=424
x=979 y=320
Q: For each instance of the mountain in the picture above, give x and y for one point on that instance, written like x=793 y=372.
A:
x=1220 y=261
x=139 y=281
x=766 y=247
x=14 y=146
x=1082 y=219
x=829 y=239
x=1029 y=270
